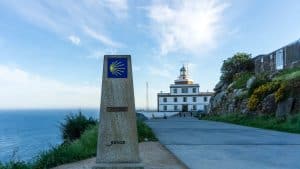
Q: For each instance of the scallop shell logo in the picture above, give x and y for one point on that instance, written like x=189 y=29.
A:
x=117 y=68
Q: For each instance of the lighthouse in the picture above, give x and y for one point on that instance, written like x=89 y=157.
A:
x=184 y=95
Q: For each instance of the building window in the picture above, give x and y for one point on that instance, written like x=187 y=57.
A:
x=165 y=107
x=194 y=99
x=175 y=90
x=205 y=99
x=175 y=99
x=279 y=59
x=184 y=90
x=184 y=99
x=194 y=90
x=165 y=99
x=194 y=107
x=175 y=108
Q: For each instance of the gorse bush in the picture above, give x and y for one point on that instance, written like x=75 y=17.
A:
x=260 y=80
x=280 y=94
x=240 y=62
x=74 y=125
x=261 y=92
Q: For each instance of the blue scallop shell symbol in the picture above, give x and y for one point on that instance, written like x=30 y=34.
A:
x=117 y=68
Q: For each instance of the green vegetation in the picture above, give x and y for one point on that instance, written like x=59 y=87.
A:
x=288 y=74
x=74 y=125
x=290 y=124
x=145 y=133
x=260 y=92
x=240 y=80
x=240 y=62
x=83 y=147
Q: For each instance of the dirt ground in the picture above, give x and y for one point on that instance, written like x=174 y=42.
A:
x=153 y=155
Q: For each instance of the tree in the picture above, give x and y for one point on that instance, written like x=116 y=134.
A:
x=240 y=62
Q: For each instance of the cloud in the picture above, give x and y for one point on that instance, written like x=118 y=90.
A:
x=22 y=89
x=118 y=7
x=100 y=37
x=188 y=26
x=74 y=39
x=68 y=17
x=161 y=71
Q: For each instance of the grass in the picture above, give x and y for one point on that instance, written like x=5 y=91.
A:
x=145 y=133
x=240 y=81
x=82 y=148
x=288 y=74
x=290 y=124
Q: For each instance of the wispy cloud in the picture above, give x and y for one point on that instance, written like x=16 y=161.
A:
x=100 y=37
x=74 y=39
x=189 y=26
x=68 y=17
x=22 y=89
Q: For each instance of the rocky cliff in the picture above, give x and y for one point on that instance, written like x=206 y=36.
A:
x=275 y=94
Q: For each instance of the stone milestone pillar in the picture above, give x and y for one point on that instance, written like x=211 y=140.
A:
x=117 y=140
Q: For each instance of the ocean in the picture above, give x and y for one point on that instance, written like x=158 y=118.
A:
x=25 y=133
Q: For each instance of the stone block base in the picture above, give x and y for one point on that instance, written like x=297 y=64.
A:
x=118 y=166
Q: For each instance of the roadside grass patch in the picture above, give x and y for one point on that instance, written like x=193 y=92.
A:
x=290 y=124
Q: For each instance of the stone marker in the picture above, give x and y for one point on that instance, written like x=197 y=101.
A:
x=117 y=140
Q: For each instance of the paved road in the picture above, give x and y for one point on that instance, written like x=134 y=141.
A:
x=203 y=144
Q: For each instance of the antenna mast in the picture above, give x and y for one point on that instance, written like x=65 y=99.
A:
x=147 y=96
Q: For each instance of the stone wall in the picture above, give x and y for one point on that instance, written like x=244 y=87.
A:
x=267 y=62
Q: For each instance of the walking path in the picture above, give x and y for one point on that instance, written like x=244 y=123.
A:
x=153 y=156
x=201 y=144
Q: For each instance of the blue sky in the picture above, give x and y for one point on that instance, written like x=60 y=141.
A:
x=51 y=52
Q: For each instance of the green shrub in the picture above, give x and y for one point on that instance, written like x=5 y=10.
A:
x=240 y=80
x=240 y=62
x=74 y=125
x=260 y=92
x=260 y=80
x=15 y=165
x=280 y=93
x=80 y=149
x=144 y=132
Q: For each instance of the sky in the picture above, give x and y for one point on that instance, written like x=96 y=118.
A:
x=51 y=52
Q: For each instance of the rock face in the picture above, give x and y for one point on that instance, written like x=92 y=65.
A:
x=284 y=107
x=250 y=82
x=268 y=105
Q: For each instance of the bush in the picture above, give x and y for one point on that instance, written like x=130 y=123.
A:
x=240 y=62
x=260 y=92
x=80 y=149
x=280 y=93
x=240 y=80
x=75 y=125
x=145 y=133
x=260 y=80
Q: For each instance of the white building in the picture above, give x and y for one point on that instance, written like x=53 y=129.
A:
x=184 y=96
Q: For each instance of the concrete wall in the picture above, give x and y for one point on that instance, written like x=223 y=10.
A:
x=288 y=55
